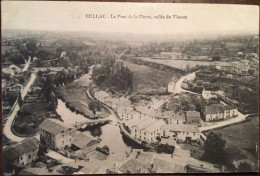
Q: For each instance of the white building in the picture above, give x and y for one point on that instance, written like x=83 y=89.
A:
x=177 y=119
x=56 y=134
x=217 y=112
x=206 y=94
x=183 y=132
x=146 y=129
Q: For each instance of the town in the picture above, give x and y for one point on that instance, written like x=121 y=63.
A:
x=80 y=105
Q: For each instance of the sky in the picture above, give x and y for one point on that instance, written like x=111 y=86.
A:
x=71 y=16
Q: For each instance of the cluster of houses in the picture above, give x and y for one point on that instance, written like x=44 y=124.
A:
x=147 y=127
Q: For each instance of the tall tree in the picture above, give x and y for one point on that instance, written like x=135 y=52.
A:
x=214 y=148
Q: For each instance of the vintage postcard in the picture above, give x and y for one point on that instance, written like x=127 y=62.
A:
x=129 y=88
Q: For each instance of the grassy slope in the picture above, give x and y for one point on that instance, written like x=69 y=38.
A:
x=146 y=78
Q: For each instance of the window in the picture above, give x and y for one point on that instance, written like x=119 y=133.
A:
x=187 y=133
x=135 y=130
x=144 y=133
x=29 y=156
x=63 y=135
x=193 y=133
x=144 y=138
x=70 y=133
x=21 y=158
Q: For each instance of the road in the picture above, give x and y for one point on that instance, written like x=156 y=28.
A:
x=178 y=88
x=8 y=125
x=241 y=117
x=27 y=64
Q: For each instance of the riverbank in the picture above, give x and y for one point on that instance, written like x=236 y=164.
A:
x=75 y=96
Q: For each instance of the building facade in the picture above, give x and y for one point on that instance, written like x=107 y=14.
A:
x=56 y=134
x=183 y=132
x=217 y=112
x=22 y=154
x=146 y=129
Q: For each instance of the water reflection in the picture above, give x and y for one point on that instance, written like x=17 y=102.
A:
x=109 y=134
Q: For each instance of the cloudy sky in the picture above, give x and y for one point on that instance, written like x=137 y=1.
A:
x=71 y=16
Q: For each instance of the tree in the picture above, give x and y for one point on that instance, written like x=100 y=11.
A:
x=94 y=106
x=20 y=101
x=216 y=58
x=214 y=148
x=244 y=167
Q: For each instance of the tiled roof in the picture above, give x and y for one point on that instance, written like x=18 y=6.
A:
x=25 y=146
x=83 y=140
x=183 y=127
x=192 y=115
x=131 y=166
x=180 y=117
x=146 y=123
x=217 y=108
x=156 y=125
x=164 y=166
x=53 y=126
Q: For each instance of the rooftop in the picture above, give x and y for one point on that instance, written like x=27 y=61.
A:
x=83 y=139
x=217 y=108
x=192 y=115
x=53 y=126
x=25 y=146
x=183 y=127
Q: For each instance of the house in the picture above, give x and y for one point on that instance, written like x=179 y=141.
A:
x=217 y=112
x=167 y=145
x=177 y=119
x=84 y=140
x=21 y=154
x=193 y=117
x=56 y=134
x=182 y=132
x=140 y=164
x=146 y=129
x=165 y=166
x=206 y=94
x=171 y=86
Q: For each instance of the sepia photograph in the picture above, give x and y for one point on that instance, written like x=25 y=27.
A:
x=129 y=88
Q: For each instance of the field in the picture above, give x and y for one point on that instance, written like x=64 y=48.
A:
x=146 y=78
x=244 y=136
x=180 y=64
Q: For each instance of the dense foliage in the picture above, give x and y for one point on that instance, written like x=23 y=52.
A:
x=113 y=74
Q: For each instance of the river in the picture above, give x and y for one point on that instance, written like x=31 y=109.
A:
x=109 y=133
